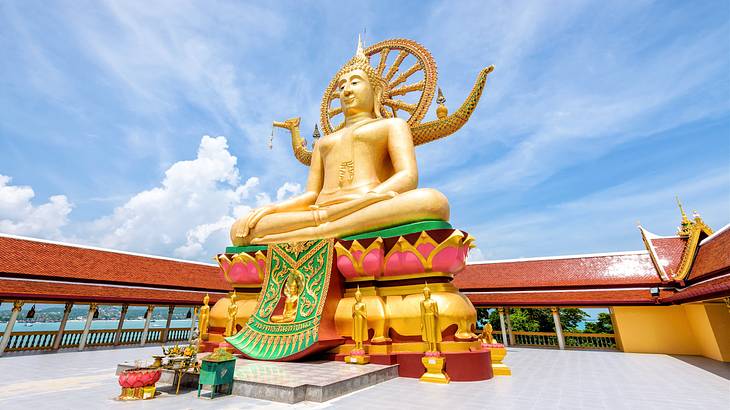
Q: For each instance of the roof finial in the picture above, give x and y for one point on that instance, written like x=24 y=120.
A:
x=684 y=227
x=684 y=216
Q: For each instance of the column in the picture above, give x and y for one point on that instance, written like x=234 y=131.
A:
x=17 y=305
x=118 y=334
x=509 y=328
x=503 y=327
x=167 y=325
x=193 y=318
x=62 y=328
x=87 y=326
x=146 y=330
x=558 y=327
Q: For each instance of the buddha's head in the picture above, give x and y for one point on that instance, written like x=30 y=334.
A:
x=358 y=294
x=359 y=87
x=206 y=299
x=427 y=292
x=292 y=283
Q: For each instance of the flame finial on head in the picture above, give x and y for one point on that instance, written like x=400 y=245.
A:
x=359 y=53
x=362 y=62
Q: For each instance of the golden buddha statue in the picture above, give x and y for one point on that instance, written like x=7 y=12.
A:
x=362 y=176
x=486 y=335
x=430 y=330
x=359 y=321
x=292 y=289
x=232 y=312
x=203 y=318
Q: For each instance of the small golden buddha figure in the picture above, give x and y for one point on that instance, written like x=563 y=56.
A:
x=486 y=335
x=292 y=289
x=203 y=318
x=232 y=312
x=359 y=321
x=363 y=176
x=430 y=330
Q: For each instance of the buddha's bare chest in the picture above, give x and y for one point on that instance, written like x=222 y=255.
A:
x=358 y=147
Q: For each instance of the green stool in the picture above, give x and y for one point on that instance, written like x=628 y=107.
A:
x=216 y=373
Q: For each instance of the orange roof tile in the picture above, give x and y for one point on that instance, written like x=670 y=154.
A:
x=51 y=290
x=28 y=258
x=713 y=256
x=581 y=271
x=669 y=253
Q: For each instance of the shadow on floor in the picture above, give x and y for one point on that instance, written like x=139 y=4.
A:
x=718 y=368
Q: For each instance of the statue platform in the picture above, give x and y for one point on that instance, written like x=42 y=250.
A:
x=292 y=382
x=296 y=299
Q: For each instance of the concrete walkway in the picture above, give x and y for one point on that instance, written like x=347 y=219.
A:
x=542 y=379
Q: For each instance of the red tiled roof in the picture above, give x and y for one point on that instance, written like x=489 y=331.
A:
x=709 y=289
x=49 y=290
x=27 y=258
x=669 y=253
x=587 y=271
x=598 y=297
x=713 y=256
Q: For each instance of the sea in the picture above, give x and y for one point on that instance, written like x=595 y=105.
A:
x=96 y=324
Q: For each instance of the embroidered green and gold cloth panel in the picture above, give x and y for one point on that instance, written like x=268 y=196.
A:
x=301 y=271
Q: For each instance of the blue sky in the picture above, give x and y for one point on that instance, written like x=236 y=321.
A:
x=597 y=115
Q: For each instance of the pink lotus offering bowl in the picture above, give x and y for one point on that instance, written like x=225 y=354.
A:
x=139 y=378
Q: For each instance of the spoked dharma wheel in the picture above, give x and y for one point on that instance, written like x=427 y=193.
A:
x=409 y=92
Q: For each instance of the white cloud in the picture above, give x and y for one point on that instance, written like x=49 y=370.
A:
x=189 y=215
x=287 y=190
x=19 y=216
x=475 y=255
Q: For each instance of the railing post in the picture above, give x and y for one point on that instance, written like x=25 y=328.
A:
x=502 y=326
x=558 y=327
x=118 y=334
x=62 y=327
x=17 y=306
x=165 y=332
x=146 y=330
x=87 y=326
x=509 y=328
x=193 y=318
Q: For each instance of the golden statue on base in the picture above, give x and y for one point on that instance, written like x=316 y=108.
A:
x=232 y=312
x=203 y=318
x=362 y=173
x=292 y=289
x=359 y=321
x=359 y=331
x=430 y=330
x=486 y=336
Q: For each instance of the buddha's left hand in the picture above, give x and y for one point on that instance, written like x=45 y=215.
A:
x=253 y=218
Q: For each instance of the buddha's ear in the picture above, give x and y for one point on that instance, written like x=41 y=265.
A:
x=378 y=101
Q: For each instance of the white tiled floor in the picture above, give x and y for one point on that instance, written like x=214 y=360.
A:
x=542 y=379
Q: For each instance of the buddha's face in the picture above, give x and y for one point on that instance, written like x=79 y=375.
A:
x=427 y=293
x=356 y=93
x=292 y=285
